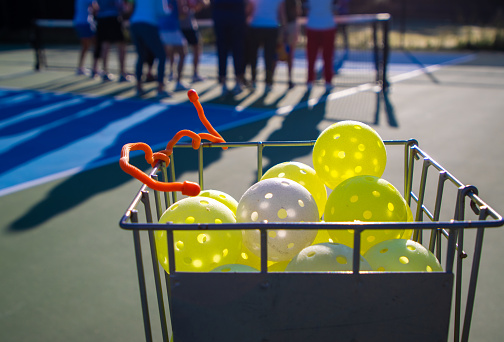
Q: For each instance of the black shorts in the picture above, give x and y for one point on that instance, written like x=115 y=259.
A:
x=192 y=36
x=109 y=29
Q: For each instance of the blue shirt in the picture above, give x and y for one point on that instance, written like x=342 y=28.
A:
x=81 y=15
x=109 y=8
x=265 y=13
x=170 y=22
x=148 y=11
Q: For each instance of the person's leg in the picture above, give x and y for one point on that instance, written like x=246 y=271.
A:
x=311 y=53
x=102 y=36
x=122 y=58
x=253 y=43
x=137 y=36
x=181 y=51
x=155 y=46
x=105 y=47
x=96 y=56
x=196 y=48
x=292 y=37
x=85 y=44
x=328 y=53
x=149 y=60
x=193 y=40
x=221 y=40
x=170 y=54
x=270 y=38
x=238 y=47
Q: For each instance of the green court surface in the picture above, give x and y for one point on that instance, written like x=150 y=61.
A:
x=68 y=270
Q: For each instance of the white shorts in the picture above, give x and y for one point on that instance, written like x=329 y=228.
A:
x=175 y=38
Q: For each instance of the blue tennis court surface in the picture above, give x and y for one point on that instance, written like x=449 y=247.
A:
x=46 y=135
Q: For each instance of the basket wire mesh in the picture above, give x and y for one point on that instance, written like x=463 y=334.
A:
x=420 y=174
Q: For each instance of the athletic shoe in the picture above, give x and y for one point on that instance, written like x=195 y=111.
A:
x=268 y=88
x=163 y=94
x=170 y=77
x=149 y=78
x=93 y=73
x=180 y=87
x=80 y=72
x=225 y=90
x=106 y=78
x=197 y=78
x=140 y=93
x=328 y=87
x=237 y=89
x=123 y=79
x=291 y=84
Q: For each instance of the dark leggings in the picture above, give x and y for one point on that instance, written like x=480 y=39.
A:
x=230 y=38
x=266 y=37
x=146 y=39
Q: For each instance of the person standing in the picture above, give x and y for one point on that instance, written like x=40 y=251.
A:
x=85 y=27
x=320 y=34
x=266 y=17
x=190 y=30
x=229 y=19
x=109 y=31
x=144 y=27
x=290 y=33
x=174 y=41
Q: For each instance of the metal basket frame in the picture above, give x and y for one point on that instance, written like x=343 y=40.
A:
x=452 y=230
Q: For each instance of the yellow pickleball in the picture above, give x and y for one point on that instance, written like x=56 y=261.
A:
x=304 y=175
x=346 y=149
x=199 y=250
x=325 y=257
x=401 y=255
x=369 y=199
x=222 y=197
x=234 y=268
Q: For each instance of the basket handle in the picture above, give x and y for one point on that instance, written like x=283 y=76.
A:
x=187 y=188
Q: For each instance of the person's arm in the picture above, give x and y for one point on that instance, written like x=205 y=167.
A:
x=200 y=4
x=299 y=8
x=183 y=8
x=249 y=10
x=95 y=8
x=282 y=18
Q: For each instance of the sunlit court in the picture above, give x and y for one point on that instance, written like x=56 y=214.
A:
x=401 y=150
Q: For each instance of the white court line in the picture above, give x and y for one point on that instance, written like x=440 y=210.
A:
x=285 y=110
x=88 y=149
x=429 y=69
x=16 y=99
x=7 y=143
x=40 y=112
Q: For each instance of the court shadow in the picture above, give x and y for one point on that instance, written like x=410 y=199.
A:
x=84 y=185
x=388 y=108
x=300 y=124
x=73 y=192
